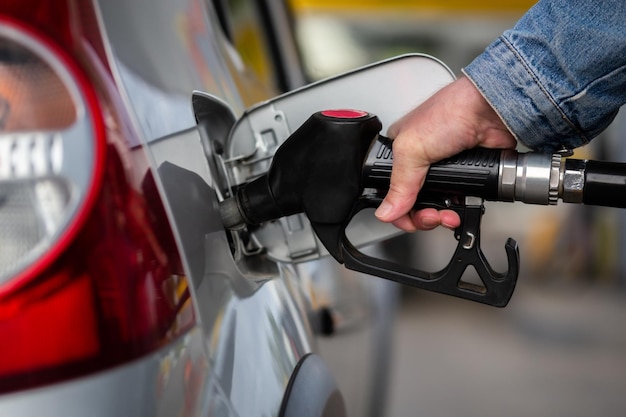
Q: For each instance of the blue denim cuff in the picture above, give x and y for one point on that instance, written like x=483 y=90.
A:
x=521 y=100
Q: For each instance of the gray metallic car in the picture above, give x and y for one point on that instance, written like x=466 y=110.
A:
x=121 y=293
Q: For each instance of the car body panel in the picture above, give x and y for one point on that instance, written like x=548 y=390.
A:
x=246 y=326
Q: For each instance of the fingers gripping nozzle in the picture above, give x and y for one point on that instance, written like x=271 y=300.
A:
x=333 y=166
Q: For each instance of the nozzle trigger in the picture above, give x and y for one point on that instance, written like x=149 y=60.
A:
x=496 y=290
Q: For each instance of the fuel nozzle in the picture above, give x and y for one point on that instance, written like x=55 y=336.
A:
x=322 y=170
x=325 y=165
x=336 y=164
x=317 y=170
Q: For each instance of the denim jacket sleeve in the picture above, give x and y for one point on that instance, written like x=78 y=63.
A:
x=557 y=78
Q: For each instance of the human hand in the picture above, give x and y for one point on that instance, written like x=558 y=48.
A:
x=454 y=119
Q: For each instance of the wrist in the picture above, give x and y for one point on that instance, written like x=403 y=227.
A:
x=489 y=129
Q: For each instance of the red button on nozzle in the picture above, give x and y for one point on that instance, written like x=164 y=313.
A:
x=345 y=113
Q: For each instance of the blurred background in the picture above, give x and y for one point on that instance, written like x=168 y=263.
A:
x=559 y=348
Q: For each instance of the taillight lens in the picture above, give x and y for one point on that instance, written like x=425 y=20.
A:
x=49 y=159
x=90 y=276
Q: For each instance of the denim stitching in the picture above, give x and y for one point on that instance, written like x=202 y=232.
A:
x=528 y=69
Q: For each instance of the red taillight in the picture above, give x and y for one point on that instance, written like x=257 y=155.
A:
x=36 y=340
x=89 y=272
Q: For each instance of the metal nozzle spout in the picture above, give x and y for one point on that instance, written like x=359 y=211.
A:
x=231 y=215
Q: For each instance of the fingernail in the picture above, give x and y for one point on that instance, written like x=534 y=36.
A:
x=383 y=209
x=448 y=226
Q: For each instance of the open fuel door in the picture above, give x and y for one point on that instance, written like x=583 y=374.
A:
x=389 y=89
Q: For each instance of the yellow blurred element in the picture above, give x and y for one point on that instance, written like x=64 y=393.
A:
x=413 y=5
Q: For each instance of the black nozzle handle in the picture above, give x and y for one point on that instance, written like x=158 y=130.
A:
x=317 y=171
x=474 y=172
